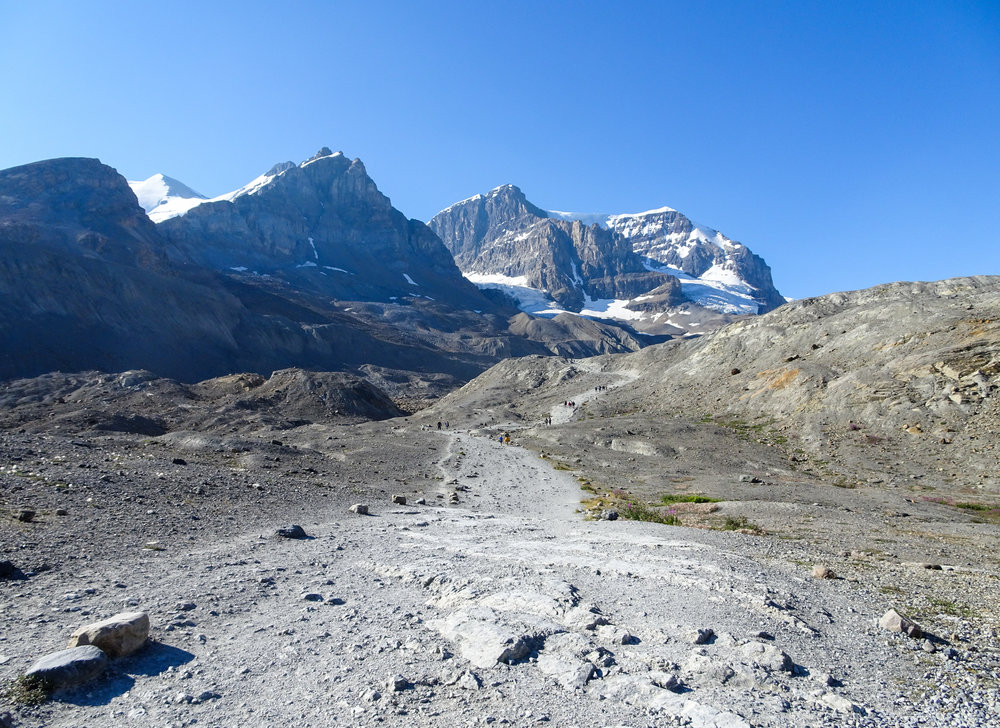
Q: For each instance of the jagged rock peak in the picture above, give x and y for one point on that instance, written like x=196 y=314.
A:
x=279 y=168
x=324 y=152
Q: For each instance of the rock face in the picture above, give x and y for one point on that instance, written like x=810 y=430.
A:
x=502 y=233
x=671 y=239
x=118 y=636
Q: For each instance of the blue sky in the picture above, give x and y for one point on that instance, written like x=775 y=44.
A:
x=848 y=143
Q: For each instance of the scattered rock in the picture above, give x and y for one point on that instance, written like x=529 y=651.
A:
x=118 y=636
x=609 y=515
x=469 y=681
x=74 y=666
x=25 y=515
x=360 y=508
x=399 y=500
x=291 y=531
x=734 y=371
x=179 y=461
x=895 y=622
x=420 y=501
x=926 y=565
x=768 y=657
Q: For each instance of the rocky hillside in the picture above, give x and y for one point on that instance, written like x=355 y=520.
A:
x=895 y=384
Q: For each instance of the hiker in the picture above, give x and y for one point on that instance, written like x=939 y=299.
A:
x=439 y=425
x=506 y=439
x=500 y=439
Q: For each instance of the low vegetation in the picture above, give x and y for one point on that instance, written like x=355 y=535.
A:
x=27 y=690
x=670 y=498
x=741 y=523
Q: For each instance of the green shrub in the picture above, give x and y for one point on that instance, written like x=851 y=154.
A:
x=740 y=523
x=643 y=512
x=670 y=498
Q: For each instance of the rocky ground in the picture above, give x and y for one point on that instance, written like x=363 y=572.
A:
x=498 y=604
x=501 y=592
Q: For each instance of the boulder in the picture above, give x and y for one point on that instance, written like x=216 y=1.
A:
x=399 y=500
x=67 y=668
x=118 y=636
x=823 y=572
x=360 y=508
x=291 y=531
x=896 y=622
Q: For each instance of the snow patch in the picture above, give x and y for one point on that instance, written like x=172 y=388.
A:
x=410 y=280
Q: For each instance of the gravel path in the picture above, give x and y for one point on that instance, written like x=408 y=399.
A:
x=503 y=608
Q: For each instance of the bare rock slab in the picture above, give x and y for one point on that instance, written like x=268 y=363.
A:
x=71 y=667
x=118 y=636
x=485 y=639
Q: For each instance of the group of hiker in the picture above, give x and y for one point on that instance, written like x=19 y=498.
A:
x=504 y=439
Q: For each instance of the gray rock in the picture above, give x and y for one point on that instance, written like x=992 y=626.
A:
x=360 y=508
x=71 y=667
x=569 y=671
x=291 y=531
x=609 y=515
x=767 y=656
x=701 y=636
x=399 y=500
x=398 y=683
x=823 y=572
x=896 y=622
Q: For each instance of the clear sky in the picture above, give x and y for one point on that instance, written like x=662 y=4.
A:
x=848 y=143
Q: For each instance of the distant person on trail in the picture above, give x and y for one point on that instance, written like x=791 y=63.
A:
x=500 y=439
x=439 y=425
x=506 y=439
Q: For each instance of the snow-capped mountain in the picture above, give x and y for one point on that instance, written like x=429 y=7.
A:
x=656 y=270
x=164 y=197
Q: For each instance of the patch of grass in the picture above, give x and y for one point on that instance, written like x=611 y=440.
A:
x=27 y=690
x=740 y=523
x=560 y=466
x=644 y=512
x=669 y=498
x=952 y=608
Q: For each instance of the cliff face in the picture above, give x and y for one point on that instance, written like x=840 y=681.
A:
x=501 y=233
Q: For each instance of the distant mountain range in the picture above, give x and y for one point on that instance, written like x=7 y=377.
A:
x=655 y=270
x=309 y=265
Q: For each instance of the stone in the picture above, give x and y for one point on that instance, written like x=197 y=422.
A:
x=312 y=597
x=398 y=683
x=896 y=622
x=118 y=636
x=566 y=669
x=926 y=565
x=823 y=572
x=67 y=668
x=469 y=681
x=7 y=570
x=767 y=656
x=928 y=646
x=609 y=515
x=179 y=461
x=360 y=508
x=25 y=515
x=842 y=704
x=485 y=639
x=62 y=512
x=701 y=636
x=291 y=531
x=420 y=501
x=399 y=500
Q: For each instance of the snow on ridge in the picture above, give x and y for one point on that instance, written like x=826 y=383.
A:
x=410 y=280
x=332 y=155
